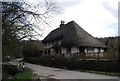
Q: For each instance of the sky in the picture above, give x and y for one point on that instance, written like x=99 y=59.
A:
x=98 y=17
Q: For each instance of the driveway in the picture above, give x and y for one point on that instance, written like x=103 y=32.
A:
x=57 y=73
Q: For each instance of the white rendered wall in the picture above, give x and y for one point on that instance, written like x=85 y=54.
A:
x=63 y=50
x=96 y=50
x=85 y=50
x=101 y=50
x=74 y=50
x=52 y=52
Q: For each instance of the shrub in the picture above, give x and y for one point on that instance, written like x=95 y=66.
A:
x=8 y=70
x=105 y=66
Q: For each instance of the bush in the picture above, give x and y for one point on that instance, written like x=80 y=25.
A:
x=105 y=66
x=9 y=70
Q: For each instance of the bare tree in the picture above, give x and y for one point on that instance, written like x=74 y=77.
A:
x=21 y=20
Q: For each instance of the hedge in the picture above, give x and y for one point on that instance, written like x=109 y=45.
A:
x=8 y=70
x=105 y=66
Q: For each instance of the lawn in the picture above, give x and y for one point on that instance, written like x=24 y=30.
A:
x=103 y=73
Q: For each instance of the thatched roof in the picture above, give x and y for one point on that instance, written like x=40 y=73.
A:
x=71 y=34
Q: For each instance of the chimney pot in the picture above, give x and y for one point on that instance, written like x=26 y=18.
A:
x=62 y=23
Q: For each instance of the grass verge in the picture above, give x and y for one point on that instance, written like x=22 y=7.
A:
x=25 y=74
x=103 y=73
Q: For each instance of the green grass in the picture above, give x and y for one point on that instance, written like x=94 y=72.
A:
x=103 y=73
x=25 y=75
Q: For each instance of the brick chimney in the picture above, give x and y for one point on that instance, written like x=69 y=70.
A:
x=62 y=23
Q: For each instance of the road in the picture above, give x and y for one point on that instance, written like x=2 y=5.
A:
x=63 y=74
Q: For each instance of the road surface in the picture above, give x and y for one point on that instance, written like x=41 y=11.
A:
x=57 y=73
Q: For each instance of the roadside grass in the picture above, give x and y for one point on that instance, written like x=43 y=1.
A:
x=24 y=75
x=103 y=73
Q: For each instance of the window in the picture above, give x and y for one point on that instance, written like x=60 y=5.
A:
x=90 y=49
x=69 y=50
x=56 y=50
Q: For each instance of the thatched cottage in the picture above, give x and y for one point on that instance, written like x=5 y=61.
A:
x=71 y=40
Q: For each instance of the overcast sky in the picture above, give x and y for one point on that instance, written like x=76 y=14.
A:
x=97 y=17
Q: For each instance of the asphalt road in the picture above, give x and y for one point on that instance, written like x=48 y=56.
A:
x=68 y=75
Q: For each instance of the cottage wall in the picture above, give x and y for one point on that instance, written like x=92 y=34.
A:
x=74 y=50
x=86 y=50
x=52 y=52
x=96 y=50
x=101 y=50
x=91 y=50
x=63 y=50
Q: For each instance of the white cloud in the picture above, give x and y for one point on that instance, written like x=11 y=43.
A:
x=91 y=15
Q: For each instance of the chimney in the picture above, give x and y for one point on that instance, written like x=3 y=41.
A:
x=62 y=23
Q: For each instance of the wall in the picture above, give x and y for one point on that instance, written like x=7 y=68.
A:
x=96 y=50
x=74 y=50
x=101 y=50
x=63 y=50
x=90 y=50
x=52 y=52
